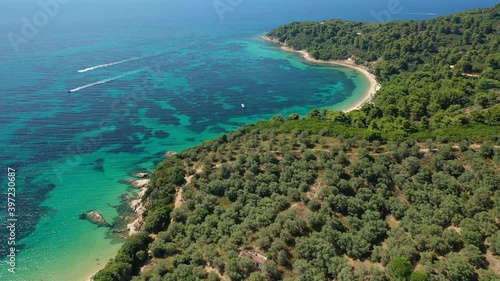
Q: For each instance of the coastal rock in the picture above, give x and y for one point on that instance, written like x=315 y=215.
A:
x=140 y=183
x=95 y=218
x=138 y=207
x=141 y=175
x=135 y=226
x=127 y=198
x=170 y=153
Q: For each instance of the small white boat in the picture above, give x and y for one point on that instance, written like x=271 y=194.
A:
x=243 y=105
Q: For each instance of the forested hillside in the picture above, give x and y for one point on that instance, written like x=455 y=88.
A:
x=436 y=73
x=406 y=188
x=321 y=208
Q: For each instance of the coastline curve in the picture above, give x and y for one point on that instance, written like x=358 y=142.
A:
x=374 y=85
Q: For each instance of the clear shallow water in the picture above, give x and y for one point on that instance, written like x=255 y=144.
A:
x=193 y=71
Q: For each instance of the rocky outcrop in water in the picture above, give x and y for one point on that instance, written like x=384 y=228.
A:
x=95 y=218
x=140 y=183
x=141 y=175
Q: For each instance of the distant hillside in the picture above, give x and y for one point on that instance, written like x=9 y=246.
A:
x=436 y=73
x=406 y=188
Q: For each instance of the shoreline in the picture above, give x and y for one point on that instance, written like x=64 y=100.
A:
x=367 y=97
x=138 y=209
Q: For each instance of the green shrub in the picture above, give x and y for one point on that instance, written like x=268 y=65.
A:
x=158 y=220
x=418 y=276
x=400 y=268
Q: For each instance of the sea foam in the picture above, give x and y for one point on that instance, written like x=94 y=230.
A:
x=107 y=80
x=109 y=64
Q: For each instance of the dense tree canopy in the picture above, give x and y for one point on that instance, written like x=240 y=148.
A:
x=435 y=74
x=321 y=208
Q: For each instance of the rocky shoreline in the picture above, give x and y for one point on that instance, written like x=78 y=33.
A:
x=126 y=223
x=137 y=205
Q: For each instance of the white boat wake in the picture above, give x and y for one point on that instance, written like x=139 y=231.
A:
x=106 y=80
x=108 y=64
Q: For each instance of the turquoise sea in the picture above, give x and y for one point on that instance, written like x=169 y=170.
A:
x=147 y=77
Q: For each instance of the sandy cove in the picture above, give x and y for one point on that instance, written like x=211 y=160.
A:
x=370 y=92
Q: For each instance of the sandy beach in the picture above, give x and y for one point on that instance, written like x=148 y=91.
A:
x=370 y=92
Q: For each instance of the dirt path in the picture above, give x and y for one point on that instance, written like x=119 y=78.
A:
x=493 y=261
x=178 y=198
x=211 y=269
x=178 y=194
